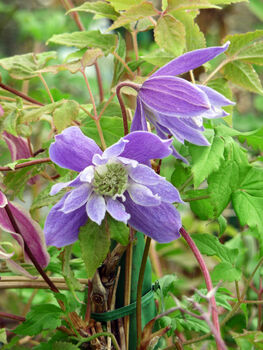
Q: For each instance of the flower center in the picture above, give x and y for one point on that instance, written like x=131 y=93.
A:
x=110 y=179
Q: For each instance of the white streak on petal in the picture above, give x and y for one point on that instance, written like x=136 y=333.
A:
x=117 y=210
x=142 y=195
x=96 y=208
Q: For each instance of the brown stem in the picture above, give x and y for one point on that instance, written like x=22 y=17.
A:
x=20 y=94
x=207 y=278
x=122 y=105
x=26 y=164
x=29 y=253
x=88 y=309
x=12 y=317
x=75 y=15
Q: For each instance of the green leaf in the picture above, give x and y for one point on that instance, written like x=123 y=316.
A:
x=36 y=113
x=158 y=57
x=134 y=13
x=191 y=323
x=226 y=272
x=226 y=2
x=81 y=58
x=3 y=338
x=64 y=346
x=248 y=199
x=41 y=317
x=180 y=175
x=71 y=281
x=43 y=199
x=254 y=338
x=81 y=40
x=10 y=122
x=256 y=6
x=209 y=245
x=194 y=38
x=206 y=159
x=240 y=43
x=118 y=231
x=169 y=34
x=121 y=5
x=189 y=4
x=222 y=224
x=112 y=130
x=65 y=114
x=94 y=244
x=221 y=85
x=118 y=66
x=99 y=8
x=168 y=284
x=112 y=110
x=244 y=75
x=26 y=66
x=253 y=138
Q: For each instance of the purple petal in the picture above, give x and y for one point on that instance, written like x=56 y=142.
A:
x=139 y=120
x=30 y=231
x=173 y=96
x=183 y=131
x=62 y=229
x=3 y=200
x=17 y=269
x=166 y=191
x=96 y=208
x=142 y=195
x=162 y=223
x=87 y=174
x=190 y=60
x=115 y=150
x=215 y=98
x=1 y=111
x=18 y=146
x=144 y=175
x=59 y=186
x=76 y=198
x=73 y=150
x=144 y=146
x=117 y=210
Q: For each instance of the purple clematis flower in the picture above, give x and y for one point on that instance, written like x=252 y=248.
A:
x=118 y=181
x=29 y=229
x=174 y=105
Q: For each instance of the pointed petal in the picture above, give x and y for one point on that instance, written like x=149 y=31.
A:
x=30 y=230
x=19 y=270
x=182 y=131
x=166 y=191
x=117 y=210
x=18 y=146
x=139 y=120
x=215 y=98
x=173 y=96
x=142 y=195
x=115 y=150
x=76 y=198
x=73 y=150
x=62 y=229
x=190 y=60
x=3 y=200
x=144 y=146
x=162 y=223
x=144 y=175
x=60 y=185
x=96 y=208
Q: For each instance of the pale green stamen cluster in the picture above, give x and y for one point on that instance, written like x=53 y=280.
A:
x=110 y=179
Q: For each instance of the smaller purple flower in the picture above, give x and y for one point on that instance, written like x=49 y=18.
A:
x=177 y=107
x=118 y=181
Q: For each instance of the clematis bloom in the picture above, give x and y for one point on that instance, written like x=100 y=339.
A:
x=118 y=181
x=177 y=107
x=30 y=230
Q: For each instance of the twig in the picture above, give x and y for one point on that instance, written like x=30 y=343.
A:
x=12 y=317
x=220 y=66
x=139 y=291
x=26 y=164
x=46 y=87
x=20 y=94
x=106 y=105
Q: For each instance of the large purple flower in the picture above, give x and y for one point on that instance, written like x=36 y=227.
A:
x=177 y=107
x=118 y=181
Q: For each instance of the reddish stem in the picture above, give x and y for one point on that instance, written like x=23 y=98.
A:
x=23 y=165
x=207 y=278
x=20 y=94
x=12 y=317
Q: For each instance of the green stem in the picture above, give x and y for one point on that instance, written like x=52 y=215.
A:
x=196 y=198
x=97 y=335
x=139 y=291
x=220 y=66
